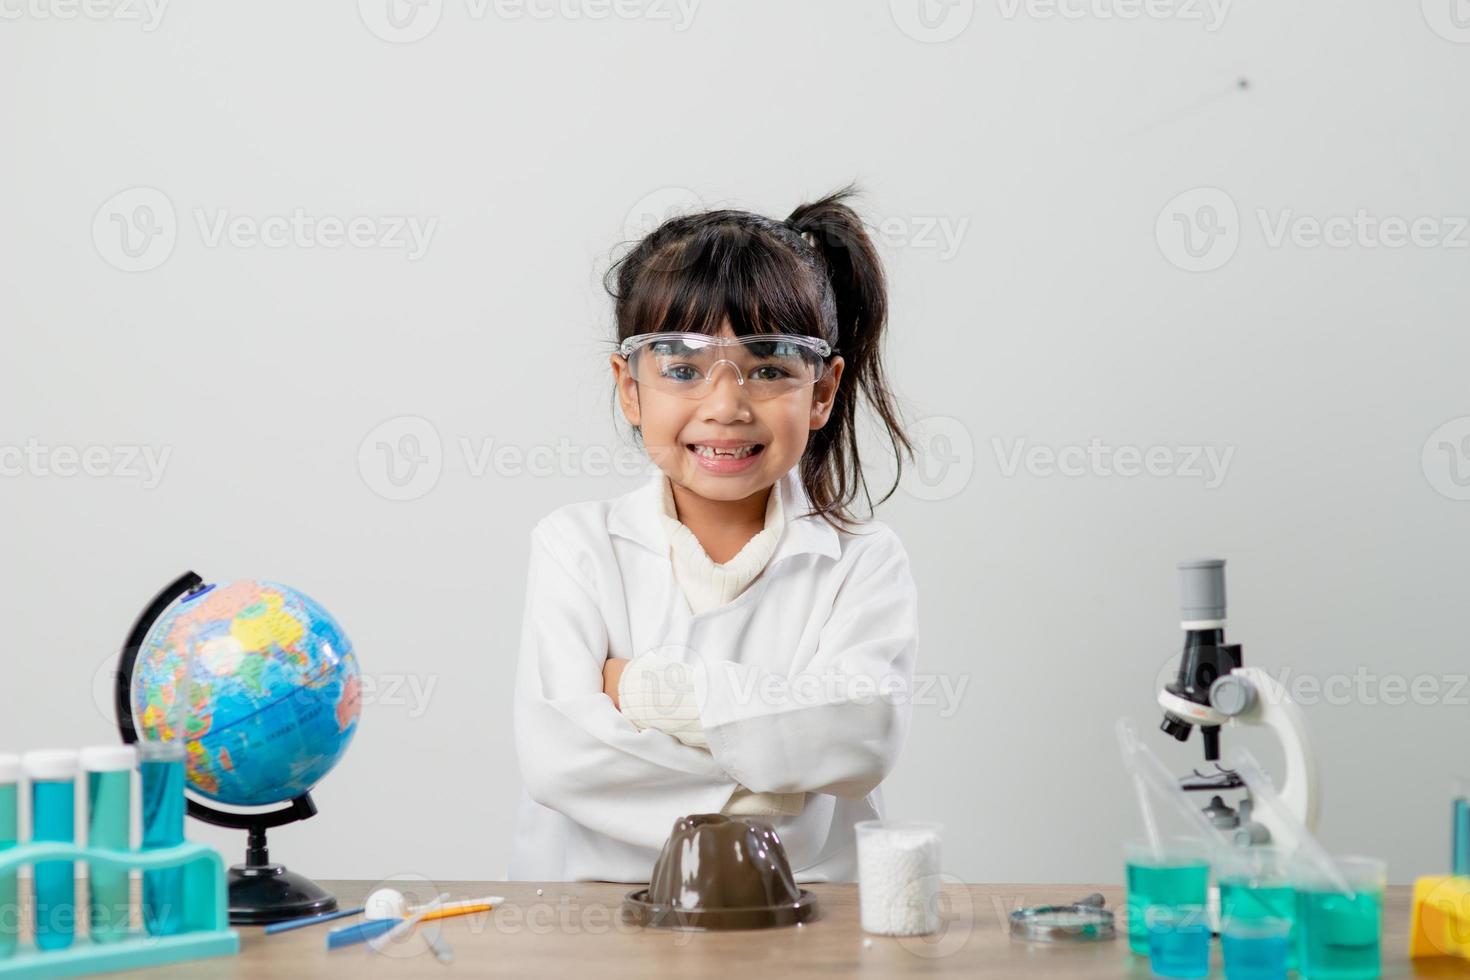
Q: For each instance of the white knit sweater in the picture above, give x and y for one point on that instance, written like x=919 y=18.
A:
x=657 y=691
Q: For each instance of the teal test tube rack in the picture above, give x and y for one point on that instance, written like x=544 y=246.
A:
x=205 y=913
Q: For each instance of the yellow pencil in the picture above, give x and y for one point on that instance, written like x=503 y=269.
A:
x=466 y=907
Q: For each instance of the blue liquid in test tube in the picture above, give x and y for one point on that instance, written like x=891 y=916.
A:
x=53 y=775
x=109 y=770
x=9 y=834
x=163 y=826
x=1460 y=837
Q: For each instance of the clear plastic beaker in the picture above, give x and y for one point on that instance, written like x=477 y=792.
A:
x=898 y=877
x=1256 y=883
x=1177 y=874
x=1178 y=940
x=1256 y=947
x=1339 y=935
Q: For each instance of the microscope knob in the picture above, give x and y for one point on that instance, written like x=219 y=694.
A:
x=1232 y=695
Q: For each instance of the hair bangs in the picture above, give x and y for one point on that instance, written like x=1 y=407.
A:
x=727 y=275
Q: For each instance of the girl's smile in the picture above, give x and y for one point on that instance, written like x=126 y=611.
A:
x=725 y=456
x=726 y=446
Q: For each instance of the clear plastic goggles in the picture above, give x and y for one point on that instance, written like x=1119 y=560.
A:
x=765 y=365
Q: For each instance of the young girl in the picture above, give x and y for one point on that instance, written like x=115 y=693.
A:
x=727 y=638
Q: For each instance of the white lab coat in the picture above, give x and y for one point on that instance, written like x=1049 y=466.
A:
x=802 y=684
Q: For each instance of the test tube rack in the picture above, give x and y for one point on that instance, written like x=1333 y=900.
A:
x=205 y=929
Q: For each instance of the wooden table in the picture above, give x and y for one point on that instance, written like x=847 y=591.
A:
x=573 y=929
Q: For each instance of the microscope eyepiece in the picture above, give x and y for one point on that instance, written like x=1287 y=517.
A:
x=1202 y=593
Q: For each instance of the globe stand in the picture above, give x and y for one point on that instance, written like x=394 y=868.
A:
x=260 y=892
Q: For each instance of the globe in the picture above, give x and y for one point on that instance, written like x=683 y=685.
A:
x=270 y=684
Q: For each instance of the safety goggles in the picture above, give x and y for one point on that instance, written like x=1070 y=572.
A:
x=765 y=365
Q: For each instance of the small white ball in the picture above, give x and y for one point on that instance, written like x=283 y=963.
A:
x=867 y=944
x=385 y=903
x=538 y=891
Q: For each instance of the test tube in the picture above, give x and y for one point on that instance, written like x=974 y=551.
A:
x=109 y=770
x=9 y=834
x=53 y=776
x=163 y=826
x=1460 y=830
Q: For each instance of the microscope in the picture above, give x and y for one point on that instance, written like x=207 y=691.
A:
x=1214 y=689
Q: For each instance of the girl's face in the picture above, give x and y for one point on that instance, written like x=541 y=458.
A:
x=675 y=428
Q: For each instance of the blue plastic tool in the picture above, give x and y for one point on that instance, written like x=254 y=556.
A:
x=309 y=920
x=360 y=933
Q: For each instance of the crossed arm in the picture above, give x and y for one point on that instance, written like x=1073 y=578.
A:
x=612 y=674
x=580 y=755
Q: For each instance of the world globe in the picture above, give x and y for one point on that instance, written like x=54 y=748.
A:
x=271 y=684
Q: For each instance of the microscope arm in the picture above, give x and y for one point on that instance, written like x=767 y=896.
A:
x=1250 y=696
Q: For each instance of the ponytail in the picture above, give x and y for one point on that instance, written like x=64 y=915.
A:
x=832 y=467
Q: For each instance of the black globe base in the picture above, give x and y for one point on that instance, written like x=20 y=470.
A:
x=262 y=894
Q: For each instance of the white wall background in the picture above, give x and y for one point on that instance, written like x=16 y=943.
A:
x=1048 y=146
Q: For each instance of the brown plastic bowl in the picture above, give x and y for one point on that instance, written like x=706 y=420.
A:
x=720 y=872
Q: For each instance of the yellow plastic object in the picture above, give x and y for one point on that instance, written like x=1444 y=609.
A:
x=1440 y=919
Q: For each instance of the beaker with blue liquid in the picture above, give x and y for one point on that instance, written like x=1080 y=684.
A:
x=1178 y=940
x=1255 y=884
x=1339 y=929
x=1173 y=875
x=1256 y=948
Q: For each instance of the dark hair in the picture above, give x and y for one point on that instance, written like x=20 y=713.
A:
x=816 y=273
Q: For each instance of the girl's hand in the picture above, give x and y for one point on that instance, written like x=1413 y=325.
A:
x=612 y=672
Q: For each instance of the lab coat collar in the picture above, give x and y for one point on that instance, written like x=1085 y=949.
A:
x=635 y=516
